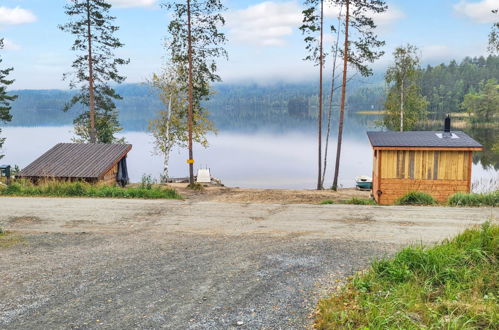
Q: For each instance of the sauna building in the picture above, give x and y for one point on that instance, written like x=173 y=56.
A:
x=437 y=163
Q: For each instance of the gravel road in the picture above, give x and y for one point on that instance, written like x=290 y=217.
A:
x=100 y=263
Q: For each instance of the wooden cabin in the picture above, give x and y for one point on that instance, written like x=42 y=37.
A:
x=89 y=162
x=437 y=163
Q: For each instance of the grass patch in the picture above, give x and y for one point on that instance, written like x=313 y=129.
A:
x=453 y=285
x=8 y=239
x=360 y=201
x=463 y=199
x=82 y=189
x=327 y=202
x=416 y=198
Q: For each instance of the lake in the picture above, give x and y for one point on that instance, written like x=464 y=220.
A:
x=263 y=160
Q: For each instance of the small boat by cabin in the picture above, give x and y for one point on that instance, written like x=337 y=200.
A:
x=364 y=182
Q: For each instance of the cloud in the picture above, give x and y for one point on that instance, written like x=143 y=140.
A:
x=265 y=24
x=382 y=20
x=15 y=16
x=479 y=12
x=133 y=3
x=436 y=52
x=10 y=45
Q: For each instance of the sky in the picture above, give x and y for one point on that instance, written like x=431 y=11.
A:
x=264 y=42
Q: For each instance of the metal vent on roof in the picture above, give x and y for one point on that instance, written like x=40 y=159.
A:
x=443 y=135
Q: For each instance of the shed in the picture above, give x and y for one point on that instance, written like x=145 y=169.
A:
x=90 y=162
x=437 y=163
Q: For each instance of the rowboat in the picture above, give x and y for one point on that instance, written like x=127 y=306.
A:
x=364 y=182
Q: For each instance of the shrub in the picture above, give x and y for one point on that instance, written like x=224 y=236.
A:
x=327 y=202
x=464 y=199
x=360 y=201
x=416 y=198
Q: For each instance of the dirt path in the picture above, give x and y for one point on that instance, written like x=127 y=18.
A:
x=395 y=224
x=119 y=264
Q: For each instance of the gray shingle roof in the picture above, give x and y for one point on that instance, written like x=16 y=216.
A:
x=76 y=160
x=428 y=139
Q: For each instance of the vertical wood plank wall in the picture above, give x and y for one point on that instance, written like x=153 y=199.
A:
x=439 y=173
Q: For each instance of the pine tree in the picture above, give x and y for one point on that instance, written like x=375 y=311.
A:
x=313 y=23
x=358 y=52
x=93 y=69
x=494 y=38
x=194 y=44
x=404 y=105
x=5 y=99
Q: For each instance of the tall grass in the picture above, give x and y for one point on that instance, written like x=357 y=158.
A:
x=453 y=285
x=82 y=189
x=416 y=198
x=463 y=199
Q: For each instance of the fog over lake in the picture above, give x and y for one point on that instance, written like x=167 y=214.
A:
x=262 y=160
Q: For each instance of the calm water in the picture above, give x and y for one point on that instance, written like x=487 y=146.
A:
x=241 y=160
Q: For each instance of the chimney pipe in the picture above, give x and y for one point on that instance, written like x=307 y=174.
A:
x=447 y=124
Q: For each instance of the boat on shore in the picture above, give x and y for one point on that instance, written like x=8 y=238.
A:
x=364 y=182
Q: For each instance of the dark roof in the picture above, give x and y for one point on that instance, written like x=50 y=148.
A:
x=429 y=139
x=76 y=160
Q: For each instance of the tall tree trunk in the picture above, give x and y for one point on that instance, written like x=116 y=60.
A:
x=91 y=95
x=321 y=65
x=330 y=113
x=190 y=114
x=402 y=106
x=169 y=143
x=343 y=94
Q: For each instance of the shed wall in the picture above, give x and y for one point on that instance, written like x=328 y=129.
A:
x=438 y=173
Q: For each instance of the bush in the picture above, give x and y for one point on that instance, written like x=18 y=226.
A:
x=463 y=199
x=327 y=202
x=83 y=189
x=416 y=198
x=360 y=201
x=452 y=285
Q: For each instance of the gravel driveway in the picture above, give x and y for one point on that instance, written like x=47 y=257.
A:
x=170 y=264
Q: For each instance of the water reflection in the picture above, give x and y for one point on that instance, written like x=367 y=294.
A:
x=262 y=160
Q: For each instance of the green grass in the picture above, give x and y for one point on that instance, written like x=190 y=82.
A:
x=416 y=198
x=360 y=201
x=82 y=189
x=453 y=285
x=327 y=202
x=463 y=199
x=8 y=239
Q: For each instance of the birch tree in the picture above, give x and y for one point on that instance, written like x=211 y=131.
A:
x=94 y=68
x=5 y=99
x=169 y=128
x=404 y=103
x=194 y=44
x=494 y=38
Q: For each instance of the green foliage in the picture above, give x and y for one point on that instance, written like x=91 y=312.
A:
x=363 y=44
x=169 y=128
x=207 y=46
x=494 y=38
x=93 y=15
x=360 y=201
x=483 y=106
x=147 y=182
x=416 y=198
x=5 y=99
x=404 y=104
x=82 y=189
x=327 y=202
x=452 y=285
x=464 y=199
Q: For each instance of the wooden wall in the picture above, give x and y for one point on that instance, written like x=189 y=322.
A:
x=439 y=173
x=110 y=176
